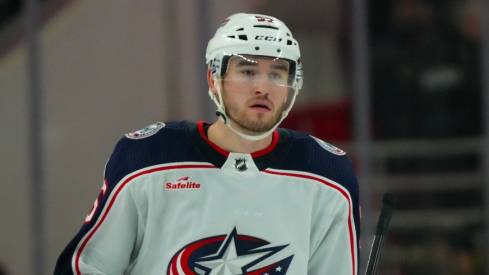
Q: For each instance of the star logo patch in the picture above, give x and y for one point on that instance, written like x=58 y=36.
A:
x=230 y=254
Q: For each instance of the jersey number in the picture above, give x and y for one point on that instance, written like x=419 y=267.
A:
x=90 y=215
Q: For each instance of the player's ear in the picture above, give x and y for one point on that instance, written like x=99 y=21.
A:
x=211 y=82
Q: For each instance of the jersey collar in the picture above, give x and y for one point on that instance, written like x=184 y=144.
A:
x=218 y=156
x=203 y=133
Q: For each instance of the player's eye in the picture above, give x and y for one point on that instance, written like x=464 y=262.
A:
x=278 y=77
x=248 y=72
x=275 y=75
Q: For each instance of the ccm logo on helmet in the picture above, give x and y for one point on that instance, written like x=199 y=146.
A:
x=266 y=38
x=264 y=19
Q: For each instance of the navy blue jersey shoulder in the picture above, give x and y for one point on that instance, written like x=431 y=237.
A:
x=313 y=155
x=169 y=144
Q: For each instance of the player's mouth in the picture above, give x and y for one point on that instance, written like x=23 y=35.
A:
x=261 y=105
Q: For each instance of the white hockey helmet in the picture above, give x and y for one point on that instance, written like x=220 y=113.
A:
x=253 y=34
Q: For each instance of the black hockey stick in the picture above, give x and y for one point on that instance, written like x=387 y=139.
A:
x=388 y=203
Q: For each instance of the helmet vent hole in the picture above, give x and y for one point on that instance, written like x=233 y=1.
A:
x=279 y=50
x=231 y=36
x=243 y=37
x=240 y=29
x=257 y=48
x=289 y=42
x=265 y=26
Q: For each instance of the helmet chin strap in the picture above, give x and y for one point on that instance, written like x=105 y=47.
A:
x=221 y=112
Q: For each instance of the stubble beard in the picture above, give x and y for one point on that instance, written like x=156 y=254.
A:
x=251 y=126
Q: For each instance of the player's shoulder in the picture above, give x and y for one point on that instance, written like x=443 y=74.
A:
x=155 y=129
x=310 y=154
x=311 y=144
x=156 y=134
x=157 y=144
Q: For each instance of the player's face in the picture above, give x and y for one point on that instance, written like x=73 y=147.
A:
x=254 y=92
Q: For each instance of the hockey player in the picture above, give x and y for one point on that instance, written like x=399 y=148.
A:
x=238 y=196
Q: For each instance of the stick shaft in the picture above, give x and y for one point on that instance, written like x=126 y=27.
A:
x=375 y=254
x=388 y=203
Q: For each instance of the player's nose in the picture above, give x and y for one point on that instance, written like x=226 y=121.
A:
x=261 y=86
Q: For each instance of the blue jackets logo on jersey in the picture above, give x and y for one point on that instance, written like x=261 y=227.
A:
x=329 y=147
x=230 y=254
x=147 y=131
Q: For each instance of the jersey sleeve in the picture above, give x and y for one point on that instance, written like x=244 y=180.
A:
x=337 y=247
x=106 y=240
x=335 y=244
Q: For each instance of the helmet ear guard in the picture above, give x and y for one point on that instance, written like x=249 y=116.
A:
x=252 y=34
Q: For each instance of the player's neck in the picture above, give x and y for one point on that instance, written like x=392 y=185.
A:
x=228 y=140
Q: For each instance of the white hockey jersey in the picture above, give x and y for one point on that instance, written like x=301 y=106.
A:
x=175 y=203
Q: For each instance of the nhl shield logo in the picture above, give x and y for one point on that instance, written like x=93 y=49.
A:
x=240 y=164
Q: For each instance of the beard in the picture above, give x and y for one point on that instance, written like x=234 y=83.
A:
x=255 y=125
